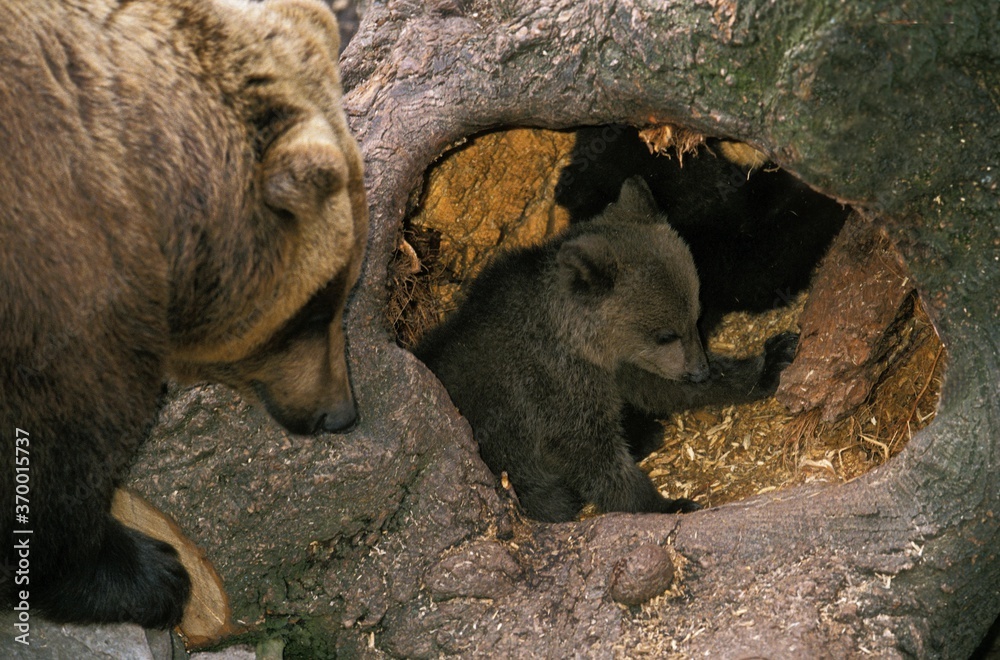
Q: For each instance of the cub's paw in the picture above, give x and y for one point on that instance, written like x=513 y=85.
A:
x=680 y=505
x=779 y=351
x=133 y=578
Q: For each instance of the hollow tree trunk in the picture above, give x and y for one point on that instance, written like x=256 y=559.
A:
x=395 y=539
x=895 y=111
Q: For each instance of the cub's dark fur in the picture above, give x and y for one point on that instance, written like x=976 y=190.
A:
x=562 y=354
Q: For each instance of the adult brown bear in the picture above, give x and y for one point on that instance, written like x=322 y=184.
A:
x=178 y=194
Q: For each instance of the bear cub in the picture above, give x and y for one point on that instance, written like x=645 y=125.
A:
x=564 y=354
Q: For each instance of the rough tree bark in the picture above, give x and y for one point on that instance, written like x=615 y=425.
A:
x=393 y=539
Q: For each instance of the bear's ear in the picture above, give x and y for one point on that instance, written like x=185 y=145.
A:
x=312 y=17
x=637 y=200
x=302 y=169
x=588 y=264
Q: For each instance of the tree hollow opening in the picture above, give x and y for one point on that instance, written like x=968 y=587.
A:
x=773 y=255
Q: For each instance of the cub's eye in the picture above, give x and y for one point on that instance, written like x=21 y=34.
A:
x=664 y=337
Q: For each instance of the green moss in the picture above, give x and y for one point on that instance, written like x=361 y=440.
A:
x=311 y=639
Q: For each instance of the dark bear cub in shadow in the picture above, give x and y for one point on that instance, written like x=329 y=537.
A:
x=564 y=353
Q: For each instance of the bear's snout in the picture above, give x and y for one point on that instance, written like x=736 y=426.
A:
x=339 y=418
x=699 y=375
x=329 y=418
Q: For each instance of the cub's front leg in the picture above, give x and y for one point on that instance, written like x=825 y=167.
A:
x=731 y=380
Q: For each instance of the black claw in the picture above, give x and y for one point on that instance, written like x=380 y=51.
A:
x=779 y=351
x=681 y=505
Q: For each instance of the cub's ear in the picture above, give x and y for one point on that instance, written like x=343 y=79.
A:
x=303 y=169
x=588 y=264
x=637 y=201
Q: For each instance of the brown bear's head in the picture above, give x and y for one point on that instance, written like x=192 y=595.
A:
x=277 y=332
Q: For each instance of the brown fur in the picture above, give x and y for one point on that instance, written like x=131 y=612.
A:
x=180 y=194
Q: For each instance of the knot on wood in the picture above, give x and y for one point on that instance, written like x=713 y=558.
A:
x=644 y=573
x=479 y=570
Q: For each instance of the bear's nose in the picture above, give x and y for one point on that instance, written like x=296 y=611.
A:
x=338 y=418
x=698 y=376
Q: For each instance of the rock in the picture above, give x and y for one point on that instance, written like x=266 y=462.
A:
x=47 y=640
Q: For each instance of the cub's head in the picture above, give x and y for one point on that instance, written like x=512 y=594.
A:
x=277 y=331
x=633 y=289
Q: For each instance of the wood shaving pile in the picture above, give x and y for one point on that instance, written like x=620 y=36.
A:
x=721 y=454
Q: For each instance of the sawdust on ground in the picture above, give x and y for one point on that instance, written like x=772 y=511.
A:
x=721 y=454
